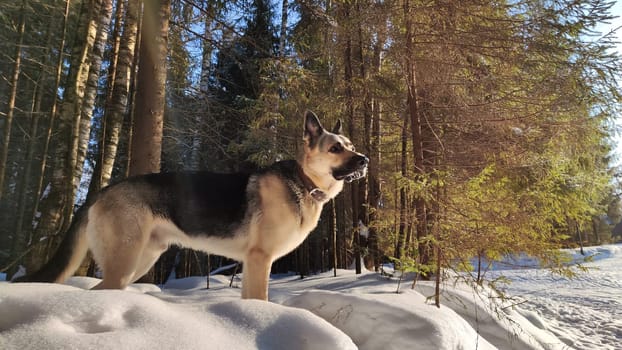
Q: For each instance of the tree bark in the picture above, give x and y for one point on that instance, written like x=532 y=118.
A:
x=206 y=55
x=415 y=116
x=53 y=112
x=150 y=95
x=349 y=96
x=6 y=135
x=103 y=17
x=118 y=105
x=204 y=85
x=128 y=121
x=363 y=184
x=146 y=147
x=374 y=184
x=24 y=182
x=402 y=243
x=283 y=33
x=333 y=232
x=57 y=206
x=96 y=179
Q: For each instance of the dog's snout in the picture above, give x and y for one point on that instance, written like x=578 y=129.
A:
x=362 y=161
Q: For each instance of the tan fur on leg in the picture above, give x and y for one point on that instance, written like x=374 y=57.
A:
x=256 y=275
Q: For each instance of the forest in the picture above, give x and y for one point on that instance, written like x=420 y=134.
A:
x=489 y=124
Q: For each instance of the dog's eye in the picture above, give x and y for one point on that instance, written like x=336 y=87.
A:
x=337 y=148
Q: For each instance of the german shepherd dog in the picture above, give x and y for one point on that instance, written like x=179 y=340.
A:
x=254 y=218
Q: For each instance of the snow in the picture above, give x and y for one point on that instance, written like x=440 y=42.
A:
x=323 y=312
x=584 y=312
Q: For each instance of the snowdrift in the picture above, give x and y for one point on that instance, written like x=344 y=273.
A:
x=321 y=312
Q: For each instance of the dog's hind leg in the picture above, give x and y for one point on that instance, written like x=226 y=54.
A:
x=118 y=241
x=256 y=274
x=156 y=245
x=119 y=263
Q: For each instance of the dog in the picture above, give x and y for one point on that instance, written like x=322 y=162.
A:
x=253 y=217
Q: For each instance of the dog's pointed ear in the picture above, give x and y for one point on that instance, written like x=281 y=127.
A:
x=338 y=129
x=313 y=128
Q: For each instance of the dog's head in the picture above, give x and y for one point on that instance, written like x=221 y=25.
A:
x=330 y=153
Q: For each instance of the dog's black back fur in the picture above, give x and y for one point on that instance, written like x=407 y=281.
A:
x=207 y=203
x=198 y=202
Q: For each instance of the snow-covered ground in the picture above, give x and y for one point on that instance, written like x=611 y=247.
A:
x=584 y=312
x=320 y=312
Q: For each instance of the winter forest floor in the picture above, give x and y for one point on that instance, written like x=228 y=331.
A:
x=323 y=312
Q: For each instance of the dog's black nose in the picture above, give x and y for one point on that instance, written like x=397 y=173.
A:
x=362 y=160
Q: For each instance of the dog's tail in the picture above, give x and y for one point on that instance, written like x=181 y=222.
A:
x=69 y=255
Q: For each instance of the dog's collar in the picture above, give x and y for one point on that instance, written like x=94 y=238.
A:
x=315 y=192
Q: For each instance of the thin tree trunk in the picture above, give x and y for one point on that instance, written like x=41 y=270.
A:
x=6 y=135
x=204 y=85
x=65 y=177
x=342 y=244
x=58 y=204
x=118 y=105
x=53 y=110
x=374 y=186
x=375 y=190
x=103 y=18
x=364 y=205
x=24 y=183
x=283 y=34
x=349 y=94
x=120 y=10
x=96 y=179
x=333 y=232
x=128 y=121
x=206 y=58
x=416 y=135
x=437 y=240
x=403 y=220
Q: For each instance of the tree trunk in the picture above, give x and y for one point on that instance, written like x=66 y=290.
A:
x=150 y=101
x=341 y=227
x=118 y=106
x=204 y=85
x=26 y=174
x=53 y=110
x=103 y=17
x=415 y=116
x=375 y=190
x=150 y=95
x=349 y=96
x=96 y=178
x=6 y=135
x=206 y=55
x=128 y=121
x=333 y=233
x=363 y=184
x=283 y=34
x=403 y=204
x=58 y=204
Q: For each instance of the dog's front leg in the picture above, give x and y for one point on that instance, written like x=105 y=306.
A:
x=256 y=273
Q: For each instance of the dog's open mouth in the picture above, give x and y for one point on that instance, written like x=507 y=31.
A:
x=349 y=176
x=354 y=169
x=356 y=175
